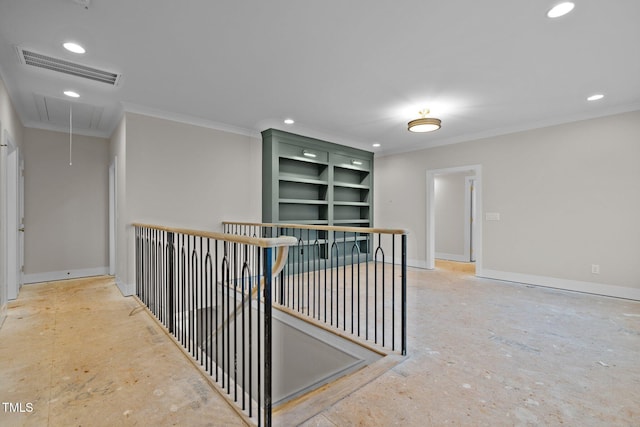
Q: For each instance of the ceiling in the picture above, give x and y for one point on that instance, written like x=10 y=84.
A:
x=352 y=72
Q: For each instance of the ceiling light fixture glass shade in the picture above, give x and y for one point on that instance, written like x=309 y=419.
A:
x=72 y=94
x=424 y=123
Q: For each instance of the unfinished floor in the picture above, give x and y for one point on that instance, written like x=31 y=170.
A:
x=481 y=352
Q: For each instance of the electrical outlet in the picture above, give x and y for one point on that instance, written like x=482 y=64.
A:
x=595 y=269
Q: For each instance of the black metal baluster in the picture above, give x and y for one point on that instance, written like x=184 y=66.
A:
x=217 y=305
x=184 y=278
x=316 y=273
x=267 y=337
x=235 y=317
x=344 y=281
x=375 y=292
x=202 y=309
x=393 y=292
x=404 y=294
x=225 y=314
x=246 y=277
x=300 y=273
x=336 y=258
x=138 y=261
x=353 y=278
x=383 y=291
x=257 y=255
x=209 y=289
x=267 y=256
x=171 y=282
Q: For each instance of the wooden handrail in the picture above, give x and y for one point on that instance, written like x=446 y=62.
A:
x=321 y=227
x=263 y=242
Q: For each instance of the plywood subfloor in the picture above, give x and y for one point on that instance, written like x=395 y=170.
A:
x=490 y=353
x=455 y=266
x=78 y=355
x=481 y=353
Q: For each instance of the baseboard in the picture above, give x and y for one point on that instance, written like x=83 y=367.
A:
x=126 y=289
x=52 y=276
x=451 y=257
x=417 y=263
x=565 y=284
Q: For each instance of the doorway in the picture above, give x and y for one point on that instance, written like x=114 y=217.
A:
x=469 y=201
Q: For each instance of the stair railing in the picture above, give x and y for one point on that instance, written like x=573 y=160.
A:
x=213 y=293
x=351 y=279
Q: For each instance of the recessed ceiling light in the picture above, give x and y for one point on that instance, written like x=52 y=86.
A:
x=376 y=145
x=74 y=47
x=560 y=9
x=72 y=94
x=289 y=121
x=595 y=97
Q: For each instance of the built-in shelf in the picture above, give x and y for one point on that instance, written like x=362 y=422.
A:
x=350 y=204
x=304 y=201
x=292 y=178
x=313 y=182
x=351 y=221
x=347 y=185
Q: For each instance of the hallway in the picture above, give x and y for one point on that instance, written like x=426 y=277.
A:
x=481 y=352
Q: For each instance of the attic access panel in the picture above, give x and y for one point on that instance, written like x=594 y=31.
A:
x=55 y=111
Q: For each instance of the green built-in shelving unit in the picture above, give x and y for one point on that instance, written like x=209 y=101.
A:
x=310 y=181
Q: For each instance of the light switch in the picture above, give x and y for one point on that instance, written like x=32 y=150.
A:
x=492 y=216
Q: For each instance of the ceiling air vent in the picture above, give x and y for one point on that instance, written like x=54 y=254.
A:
x=60 y=65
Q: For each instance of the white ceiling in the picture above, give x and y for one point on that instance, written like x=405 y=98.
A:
x=353 y=72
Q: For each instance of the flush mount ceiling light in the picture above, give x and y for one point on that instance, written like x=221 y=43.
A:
x=72 y=94
x=595 y=97
x=289 y=121
x=74 y=47
x=560 y=9
x=424 y=123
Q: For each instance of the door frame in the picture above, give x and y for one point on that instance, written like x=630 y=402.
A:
x=113 y=209
x=470 y=218
x=430 y=220
x=4 y=291
x=14 y=218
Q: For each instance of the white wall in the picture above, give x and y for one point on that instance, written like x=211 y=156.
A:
x=66 y=207
x=117 y=155
x=9 y=118
x=568 y=197
x=186 y=176
x=450 y=216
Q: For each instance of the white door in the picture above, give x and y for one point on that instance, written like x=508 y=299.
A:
x=14 y=235
x=20 y=266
